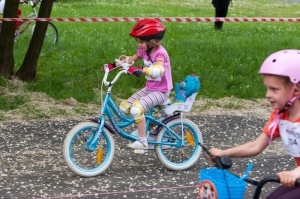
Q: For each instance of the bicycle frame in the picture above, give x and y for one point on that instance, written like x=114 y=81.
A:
x=32 y=15
x=110 y=109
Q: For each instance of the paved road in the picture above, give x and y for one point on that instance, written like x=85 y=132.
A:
x=32 y=164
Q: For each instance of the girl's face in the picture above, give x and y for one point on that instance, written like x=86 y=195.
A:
x=278 y=91
x=142 y=44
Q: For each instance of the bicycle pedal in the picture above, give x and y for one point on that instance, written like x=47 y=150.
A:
x=139 y=151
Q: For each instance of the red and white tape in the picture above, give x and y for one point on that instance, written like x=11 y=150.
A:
x=162 y=19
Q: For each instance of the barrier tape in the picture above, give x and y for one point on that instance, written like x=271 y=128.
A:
x=162 y=19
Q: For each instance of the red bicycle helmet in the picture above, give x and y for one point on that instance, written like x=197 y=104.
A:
x=147 y=29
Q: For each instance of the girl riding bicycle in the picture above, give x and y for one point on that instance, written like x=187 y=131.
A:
x=281 y=75
x=157 y=68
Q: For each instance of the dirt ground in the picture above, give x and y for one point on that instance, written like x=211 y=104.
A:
x=33 y=166
x=40 y=106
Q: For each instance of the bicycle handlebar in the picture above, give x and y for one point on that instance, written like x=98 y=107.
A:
x=221 y=162
x=106 y=71
x=125 y=67
x=33 y=3
x=271 y=178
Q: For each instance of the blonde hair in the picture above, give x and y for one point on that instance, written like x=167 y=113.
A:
x=289 y=83
x=298 y=86
x=154 y=42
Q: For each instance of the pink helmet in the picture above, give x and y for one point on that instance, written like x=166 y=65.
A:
x=283 y=63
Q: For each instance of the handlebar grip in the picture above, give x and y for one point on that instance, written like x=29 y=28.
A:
x=297 y=183
x=223 y=162
x=138 y=73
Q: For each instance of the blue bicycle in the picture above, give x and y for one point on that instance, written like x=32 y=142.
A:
x=89 y=146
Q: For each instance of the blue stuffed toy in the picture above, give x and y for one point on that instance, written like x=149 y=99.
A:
x=183 y=90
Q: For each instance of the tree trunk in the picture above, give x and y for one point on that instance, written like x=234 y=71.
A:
x=28 y=68
x=7 y=35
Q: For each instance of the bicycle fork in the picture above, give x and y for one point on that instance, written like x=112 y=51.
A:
x=91 y=143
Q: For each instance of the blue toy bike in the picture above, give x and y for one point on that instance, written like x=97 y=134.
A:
x=89 y=146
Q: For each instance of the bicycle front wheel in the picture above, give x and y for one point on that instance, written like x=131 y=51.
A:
x=51 y=36
x=187 y=151
x=82 y=161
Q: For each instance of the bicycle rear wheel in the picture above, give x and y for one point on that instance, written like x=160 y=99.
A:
x=82 y=161
x=187 y=151
x=51 y=36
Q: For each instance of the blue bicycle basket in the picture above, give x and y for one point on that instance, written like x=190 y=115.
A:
x=221 y=184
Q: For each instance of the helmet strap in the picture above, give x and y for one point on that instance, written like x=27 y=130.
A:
x=148 y=53
x=292 y=99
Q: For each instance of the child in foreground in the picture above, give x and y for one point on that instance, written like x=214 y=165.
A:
x=281 y=76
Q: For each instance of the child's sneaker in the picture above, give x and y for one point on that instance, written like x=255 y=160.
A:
x=139 y=144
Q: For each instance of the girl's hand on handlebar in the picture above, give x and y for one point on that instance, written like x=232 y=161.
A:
x=288 y=178
x=137 y=71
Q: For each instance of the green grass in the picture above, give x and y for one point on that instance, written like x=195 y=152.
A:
x=226 y=61
x=11 y=102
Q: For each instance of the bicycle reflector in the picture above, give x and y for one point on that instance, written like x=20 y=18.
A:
x=189 y=138
x=99 y=155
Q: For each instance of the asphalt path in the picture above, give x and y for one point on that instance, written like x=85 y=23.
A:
x=32 y=163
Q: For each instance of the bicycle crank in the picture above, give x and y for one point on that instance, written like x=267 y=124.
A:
x=140 y=151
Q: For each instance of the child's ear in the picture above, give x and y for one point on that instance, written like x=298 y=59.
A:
x=155 y=42
x=297 y=89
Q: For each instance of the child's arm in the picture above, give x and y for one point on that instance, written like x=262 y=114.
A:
x=128 y=59
x=156 y=70
x=245 y=150
x=122 y=58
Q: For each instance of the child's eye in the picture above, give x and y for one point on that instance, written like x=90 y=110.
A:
x=273 y=88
